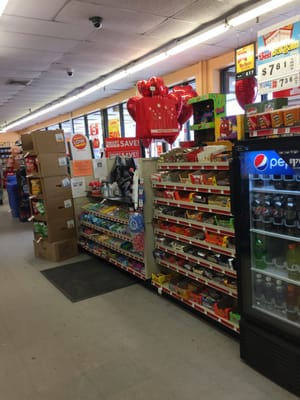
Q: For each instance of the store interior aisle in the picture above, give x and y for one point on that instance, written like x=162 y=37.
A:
x=127 y=344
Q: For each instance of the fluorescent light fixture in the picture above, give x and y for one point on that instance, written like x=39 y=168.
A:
x=3 y=4
x=139 y=66
x=203 y=37
x=147 y=63
x=257 y=12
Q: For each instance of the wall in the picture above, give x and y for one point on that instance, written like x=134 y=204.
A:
x=9 y=137
x=206 y=73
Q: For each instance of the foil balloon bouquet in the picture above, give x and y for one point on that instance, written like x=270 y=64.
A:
x=158 y=112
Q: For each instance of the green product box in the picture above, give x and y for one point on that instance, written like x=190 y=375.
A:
x=274 y=104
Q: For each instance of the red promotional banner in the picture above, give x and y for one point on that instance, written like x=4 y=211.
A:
x=123 y=147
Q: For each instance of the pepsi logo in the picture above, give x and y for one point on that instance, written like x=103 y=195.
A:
x=260 y=162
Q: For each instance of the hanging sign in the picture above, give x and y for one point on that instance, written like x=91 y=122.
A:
x=245 y=61
x=278 y=61
x=123 y=147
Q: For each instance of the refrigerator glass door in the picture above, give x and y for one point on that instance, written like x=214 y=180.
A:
x=271 y=286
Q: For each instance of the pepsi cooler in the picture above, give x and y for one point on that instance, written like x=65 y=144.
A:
x=266 y=205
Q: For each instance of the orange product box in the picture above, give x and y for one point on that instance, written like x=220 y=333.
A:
x=222 y=312
x=291 y=116
x=277 y=118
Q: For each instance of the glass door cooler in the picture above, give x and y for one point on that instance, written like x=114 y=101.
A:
x=266 y=204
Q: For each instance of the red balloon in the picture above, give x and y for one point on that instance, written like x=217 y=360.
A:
x=156 y=85
x=143 y=88
x=246 y=91
x=131 y=106
x=186 y=92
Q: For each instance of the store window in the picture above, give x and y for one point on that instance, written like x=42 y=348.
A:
x=53 y=127
x=79 y=125
x=95 y=132
x=129 y=122
x=228 y=88
x=67 y=128
x=114 y=121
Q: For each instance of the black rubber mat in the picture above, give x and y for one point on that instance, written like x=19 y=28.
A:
x=86 y=279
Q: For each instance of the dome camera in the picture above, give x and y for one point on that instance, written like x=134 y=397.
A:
x=70 y=72
x=96 y=21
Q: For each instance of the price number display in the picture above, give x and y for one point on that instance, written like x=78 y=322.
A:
x=279 y=74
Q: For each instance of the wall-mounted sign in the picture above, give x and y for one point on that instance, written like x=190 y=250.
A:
x=279 y=56
x=123 y=147
x=245 y=61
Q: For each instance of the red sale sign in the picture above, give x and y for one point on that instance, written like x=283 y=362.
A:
x=123 y=147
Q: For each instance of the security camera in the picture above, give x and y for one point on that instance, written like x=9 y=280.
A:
x=96 y=21
x=70 y=72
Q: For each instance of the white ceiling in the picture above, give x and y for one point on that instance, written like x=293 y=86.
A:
x=41 y=39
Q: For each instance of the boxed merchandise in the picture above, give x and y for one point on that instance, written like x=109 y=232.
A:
x=55 y=251
x=264 y=120
x=48 y=208
x=44 y=142
x=291 y=116
x=55 y=229
x=52 y=186
x=274 y=104
x=52 y=164
x=277 y=118
x=252 y=109
x=230 y=128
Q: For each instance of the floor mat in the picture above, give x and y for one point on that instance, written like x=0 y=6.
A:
x=89 y=278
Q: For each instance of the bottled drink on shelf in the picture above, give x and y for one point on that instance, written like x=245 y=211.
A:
x=293 y=261
x=280 y=296
x=277 y=182
x=291 y=303
x=259 y=251
x=278 y=213
x=290 y=182
x=259 y=286
x=267 y=212
x=256 y=209
x=269 y=291
x=290 y=215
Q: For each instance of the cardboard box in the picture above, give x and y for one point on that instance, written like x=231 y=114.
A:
x=55 y=229
x=52 y=164
x=274 y=104
x=52 y=186
x=253 y=108
x=47 y=208
x=230 y=128
x=56 y=251
x=44 y=142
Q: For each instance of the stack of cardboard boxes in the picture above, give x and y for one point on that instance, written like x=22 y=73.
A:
x=51 y=202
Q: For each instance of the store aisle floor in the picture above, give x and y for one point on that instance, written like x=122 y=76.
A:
x=127 y=344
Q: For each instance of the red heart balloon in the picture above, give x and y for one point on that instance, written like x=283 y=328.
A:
x=156 y=85
x=186 y=92
x=246 y=91
x=131 y=106
x=143 y=88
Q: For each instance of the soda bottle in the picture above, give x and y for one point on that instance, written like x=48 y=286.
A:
x=278 y=213
x=293 y=260
x=259 y=252
x=259 y=286
x=256 y=208
x=280 y=296
x=267 y=212
x=291 y=303
x=269 y=291
x=290 y=215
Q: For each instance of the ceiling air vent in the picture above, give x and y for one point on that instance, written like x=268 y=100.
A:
x=18 y=82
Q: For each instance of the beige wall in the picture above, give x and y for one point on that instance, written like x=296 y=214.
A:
x=206 y=73
x=8 y=138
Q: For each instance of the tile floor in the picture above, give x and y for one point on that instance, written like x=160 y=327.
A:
x=127 y=344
